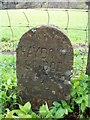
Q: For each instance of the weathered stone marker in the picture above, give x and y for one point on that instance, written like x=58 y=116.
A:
x=44 y=64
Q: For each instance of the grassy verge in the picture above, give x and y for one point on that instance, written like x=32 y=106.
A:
x=77 y=20
x=78 y=106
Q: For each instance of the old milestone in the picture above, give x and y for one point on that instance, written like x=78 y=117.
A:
x=44 y=63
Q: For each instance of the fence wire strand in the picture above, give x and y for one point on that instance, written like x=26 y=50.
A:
x=28 y=25
x=26 y=19
x=66 y=28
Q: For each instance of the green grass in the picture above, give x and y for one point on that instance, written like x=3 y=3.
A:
x=9 y=94
x=7 y=68
x=77 y=20
x=9 y=62
x=8 y=80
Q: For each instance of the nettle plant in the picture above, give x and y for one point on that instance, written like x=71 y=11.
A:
x=79 y=92
x=8 y=86
x=58 y=110
x=79 y=97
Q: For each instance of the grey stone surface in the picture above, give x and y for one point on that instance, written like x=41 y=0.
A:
x=44 y=64
x=24 y=4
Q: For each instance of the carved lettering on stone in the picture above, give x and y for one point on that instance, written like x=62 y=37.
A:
x=44 y=64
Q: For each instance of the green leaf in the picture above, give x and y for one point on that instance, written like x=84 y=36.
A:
x=10 y=114
x=33 y=115
x=60 y=113
x=88 y=100
x=76 y=83
x=1 y=116
x=19 y=112
x=25 y=116
x=83 y=106
x=64 y=104
x=44 y=110
x=22 y=108
x=69 y=109
x=56 y=104
x=79 y=100
x=73 y=92
x=27 y=106
x=66 y=111
x=49 y=115
x=85 y=85
x=53 y=110
x=9 y=81
x=79 y=90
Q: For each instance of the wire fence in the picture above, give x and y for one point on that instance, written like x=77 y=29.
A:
x=15 y=22
x=73 y=21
